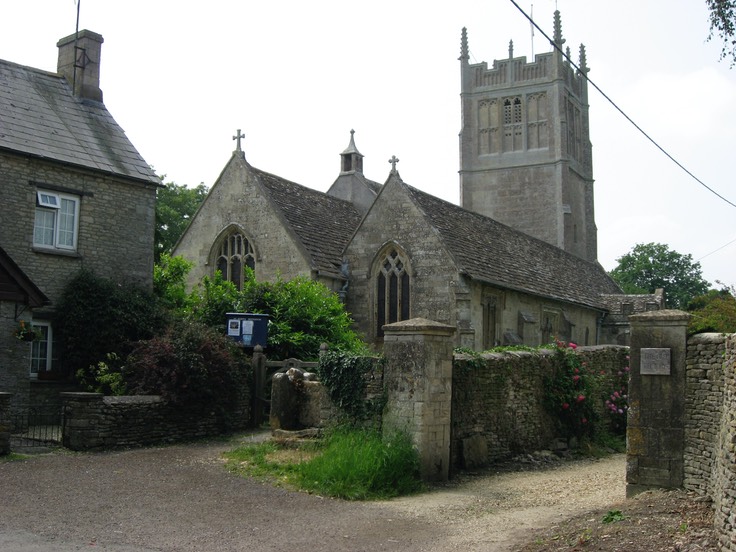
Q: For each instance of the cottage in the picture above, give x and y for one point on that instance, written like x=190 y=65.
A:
x=76 y=194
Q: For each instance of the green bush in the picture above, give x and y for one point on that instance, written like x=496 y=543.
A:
x=571 y=392
x=211 y=300
x=191 y=366
x=303 y=315
x=96 y=316
x=169 y=281
x=362 y=465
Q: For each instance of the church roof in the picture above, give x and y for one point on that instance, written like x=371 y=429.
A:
x=40 y=116
x=492 y=252
x=324 y=224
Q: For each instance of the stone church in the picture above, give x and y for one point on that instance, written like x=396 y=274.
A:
x=515 y=263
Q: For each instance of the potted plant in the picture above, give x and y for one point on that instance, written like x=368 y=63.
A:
x=26 y=332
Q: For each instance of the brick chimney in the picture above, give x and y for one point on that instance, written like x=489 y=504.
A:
x=79 y=63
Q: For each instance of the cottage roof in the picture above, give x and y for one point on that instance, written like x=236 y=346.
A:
x=324 y=224
x=492 y=252
x=40 y=116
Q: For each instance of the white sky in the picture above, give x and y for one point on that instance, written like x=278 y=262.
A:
x=181 y=77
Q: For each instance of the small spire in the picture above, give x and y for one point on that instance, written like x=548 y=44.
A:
x=511 y=49
x=558 y=30
x=464 y=56
x=567 y=54
x=352 y=159
x=583 y=60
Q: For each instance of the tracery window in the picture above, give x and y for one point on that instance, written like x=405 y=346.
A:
x=234 y=253
x=393 y=295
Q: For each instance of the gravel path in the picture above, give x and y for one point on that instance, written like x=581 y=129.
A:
x=180 y=498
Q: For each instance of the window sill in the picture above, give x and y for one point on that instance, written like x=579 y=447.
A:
x=53 y=251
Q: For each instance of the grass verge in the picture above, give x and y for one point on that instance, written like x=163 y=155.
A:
x=348 y=463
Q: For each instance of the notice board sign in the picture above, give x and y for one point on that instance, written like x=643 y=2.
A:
x=655 y=362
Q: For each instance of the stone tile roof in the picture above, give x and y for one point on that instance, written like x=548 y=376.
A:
x=40 y=116
x=492 y=252
x=324 y=224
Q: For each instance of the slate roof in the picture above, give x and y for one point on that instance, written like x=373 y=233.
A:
x=492 y=252
x=40 y=116
x=324 y=224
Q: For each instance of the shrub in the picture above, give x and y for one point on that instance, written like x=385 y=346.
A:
x=191 y=366
x=106 y=377
x=571 y=392
x=303 y=315
x=211 y=300
x=96 y=316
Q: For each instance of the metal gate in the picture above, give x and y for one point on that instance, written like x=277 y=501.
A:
x=38 y=427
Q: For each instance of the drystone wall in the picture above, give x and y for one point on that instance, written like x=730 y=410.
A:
x=93 y=421
x=498 y=402
x=710 y=427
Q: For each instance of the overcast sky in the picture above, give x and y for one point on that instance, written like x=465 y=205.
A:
x=181 y=77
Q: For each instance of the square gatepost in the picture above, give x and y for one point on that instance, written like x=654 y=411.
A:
x=655 y=434
x=418 y=382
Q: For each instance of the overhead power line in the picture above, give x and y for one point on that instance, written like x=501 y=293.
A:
x=594 y=85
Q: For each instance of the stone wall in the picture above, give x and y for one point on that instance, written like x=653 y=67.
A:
x=710 y=427
x=93 y=421
x=497 y=403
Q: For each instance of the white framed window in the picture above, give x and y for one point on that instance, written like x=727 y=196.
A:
x=57 y=220
x=41 y=349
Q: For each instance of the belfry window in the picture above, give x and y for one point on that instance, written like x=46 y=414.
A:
x=393 y=297
x=235 y=253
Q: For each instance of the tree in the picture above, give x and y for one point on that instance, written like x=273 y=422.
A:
x=723 y=23
x=713 y=312
x=175 y=206
x=648 y=267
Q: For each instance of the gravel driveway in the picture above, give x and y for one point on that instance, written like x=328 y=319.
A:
x=180 y=498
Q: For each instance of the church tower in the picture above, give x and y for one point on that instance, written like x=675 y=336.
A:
x=525 y=152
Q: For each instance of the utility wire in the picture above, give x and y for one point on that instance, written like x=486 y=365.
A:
x=583 y=73
x=716 y=250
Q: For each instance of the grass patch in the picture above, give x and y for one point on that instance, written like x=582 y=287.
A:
x=348 y=463
x=12 y=457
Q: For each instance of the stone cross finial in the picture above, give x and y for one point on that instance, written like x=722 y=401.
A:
x=238 y=137
x=393 y=162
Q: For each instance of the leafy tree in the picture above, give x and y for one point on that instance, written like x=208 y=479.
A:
x=650 y=266
x=713 y=312
x=169 y=284
x=96 y=316
x=303 y=315
x=723 y=23
x=175 y=206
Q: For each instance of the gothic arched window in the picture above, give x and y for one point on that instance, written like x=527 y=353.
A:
x=393 y=296
x=234 y=253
